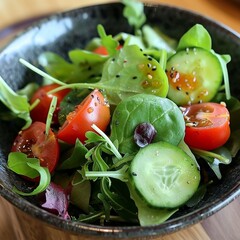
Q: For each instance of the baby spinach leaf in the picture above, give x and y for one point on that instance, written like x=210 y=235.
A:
x=162 y=113
x=197 y=36
x=130 y=72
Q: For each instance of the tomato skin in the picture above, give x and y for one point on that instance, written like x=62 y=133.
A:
x=103 y=51
x=40 y=112
x=92 y=110
x=207 y=125
x=34 y=143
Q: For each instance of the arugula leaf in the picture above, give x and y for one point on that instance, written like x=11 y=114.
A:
x=107 y=41
x=134 y=12
x=85 y=66
x=122 y=205
x=197 y=36
x=29 y=167
x=77 y=157
x=16 y=103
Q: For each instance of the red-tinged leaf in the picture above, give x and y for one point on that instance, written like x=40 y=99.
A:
x=55 y=200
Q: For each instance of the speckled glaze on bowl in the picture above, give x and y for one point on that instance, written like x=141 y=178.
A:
x=63 y=32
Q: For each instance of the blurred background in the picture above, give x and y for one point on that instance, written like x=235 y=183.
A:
x=12 y=11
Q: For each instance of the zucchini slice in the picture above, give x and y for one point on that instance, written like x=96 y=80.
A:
x=194 y=75
x=164 y=176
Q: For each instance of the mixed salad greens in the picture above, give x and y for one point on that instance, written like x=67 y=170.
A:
x=128 y=129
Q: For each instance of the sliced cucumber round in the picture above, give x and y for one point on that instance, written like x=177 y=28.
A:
x=194 y=75
x=164 y=175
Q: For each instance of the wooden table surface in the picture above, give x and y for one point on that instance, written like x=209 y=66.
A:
x=223 y=225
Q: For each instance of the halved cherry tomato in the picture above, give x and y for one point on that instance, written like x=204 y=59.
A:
x=207 y=125
x=103 y=51
x=34 y=143
x=40 y=112
x=92 y=110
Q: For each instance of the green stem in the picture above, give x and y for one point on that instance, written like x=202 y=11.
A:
x=206 y=154
x=40 y=72
x=114 y=149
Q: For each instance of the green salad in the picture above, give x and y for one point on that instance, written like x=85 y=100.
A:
x=129 y=130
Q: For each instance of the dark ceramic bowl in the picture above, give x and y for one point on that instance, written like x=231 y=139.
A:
x=63 y=32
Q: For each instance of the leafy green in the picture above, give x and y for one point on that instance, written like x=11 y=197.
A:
x=16 y=103
x=197 y=36
x=149 y=216
x=76 y=158
x=162 y=113
x=119 y=201
x=131 y=72
x=81 y=192
x=134 y=12
x=86 y=66
x=219 y=156
x=128 y=73
x=29 y=167
x=107 y=41
x=158 y=40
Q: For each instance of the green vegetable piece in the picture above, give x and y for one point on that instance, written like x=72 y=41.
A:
x=81 y=192
x=156 y=39
x=29 y=167
x=197 y=36
x=85 y=66
x=162 y=113
x=18 y=104
x=131 y=72
x=76 y=157
x=134 y=12
x=119 y=199
x=107 y=41
x=147 y=215
x=164 y=176
x=195 y=75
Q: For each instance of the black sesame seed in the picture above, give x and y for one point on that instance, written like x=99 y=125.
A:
x=117 y=76
x=154 y=68
x=178 y=88
x=149 y=58
x=135 y=77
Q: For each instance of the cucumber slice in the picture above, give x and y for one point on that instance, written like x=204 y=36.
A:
x=164 y=175
x=194 y=75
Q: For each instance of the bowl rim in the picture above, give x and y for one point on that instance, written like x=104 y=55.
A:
x=167 y=227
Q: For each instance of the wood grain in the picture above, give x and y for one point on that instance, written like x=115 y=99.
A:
x=14 y=224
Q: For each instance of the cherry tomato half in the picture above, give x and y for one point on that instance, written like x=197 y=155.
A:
x=92 y=110
x=103 y=51
x=207 y=125
x=40 y=112
x=34 y=143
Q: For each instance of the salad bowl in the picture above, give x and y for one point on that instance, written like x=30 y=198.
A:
x=63 y=32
